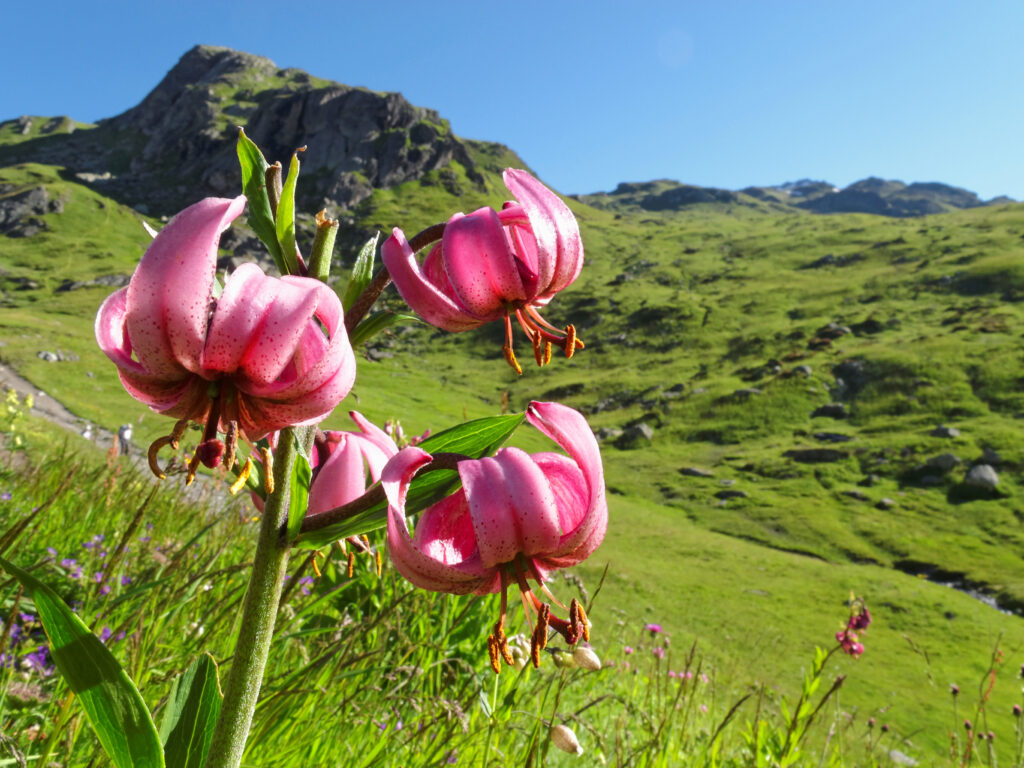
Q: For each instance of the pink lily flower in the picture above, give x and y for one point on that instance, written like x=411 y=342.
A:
x=491 y=265
x=517 y=518
x=341 y=461
x=264 y=354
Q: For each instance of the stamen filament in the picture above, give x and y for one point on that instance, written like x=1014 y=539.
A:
x=243 y=477
x=268 y=469
x=151 y=456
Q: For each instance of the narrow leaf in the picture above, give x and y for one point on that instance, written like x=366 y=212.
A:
x=261 y=218
x=477 y=438
x=110 y=699
x=299 y=502
x=286 y=218
x=191 y=714
x=362 y=272
x=374 y=324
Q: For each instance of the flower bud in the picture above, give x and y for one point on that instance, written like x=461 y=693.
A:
x=1017 y=711
x=562 y=659
x=564 y=738
x=585 y=658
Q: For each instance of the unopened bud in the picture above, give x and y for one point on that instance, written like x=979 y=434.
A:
x=563 y=738
x=562 y=659
x=585 y=658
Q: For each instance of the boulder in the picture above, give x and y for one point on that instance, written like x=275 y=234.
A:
x=695 y=472
x=815 y=455
x=943 y=431
x=831 y=411
x=635 y=436
x=944 y=462
x=982 y=476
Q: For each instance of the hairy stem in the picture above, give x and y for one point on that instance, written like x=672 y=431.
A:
x=382 y=279
x=259 y=613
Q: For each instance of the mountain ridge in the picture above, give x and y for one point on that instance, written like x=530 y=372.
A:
x=178 y=143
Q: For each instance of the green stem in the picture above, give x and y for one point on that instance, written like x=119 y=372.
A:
x=259 y=614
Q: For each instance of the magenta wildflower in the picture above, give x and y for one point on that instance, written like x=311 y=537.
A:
x=653 y=628
x=264 y=352
x=496 y=265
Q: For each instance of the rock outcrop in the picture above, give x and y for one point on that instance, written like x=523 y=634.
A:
x=178 y=144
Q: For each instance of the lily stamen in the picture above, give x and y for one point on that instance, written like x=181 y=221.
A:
x=243 y=477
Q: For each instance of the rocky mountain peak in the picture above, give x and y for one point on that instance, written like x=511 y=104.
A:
x=178 y=143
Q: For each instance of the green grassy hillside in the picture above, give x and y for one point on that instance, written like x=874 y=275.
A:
x=745 y=520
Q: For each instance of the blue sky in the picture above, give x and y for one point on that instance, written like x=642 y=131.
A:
x=723 y=93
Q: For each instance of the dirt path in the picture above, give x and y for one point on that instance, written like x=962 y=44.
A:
x=49 y=408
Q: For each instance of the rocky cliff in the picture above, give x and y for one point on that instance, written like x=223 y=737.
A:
x=178 y=144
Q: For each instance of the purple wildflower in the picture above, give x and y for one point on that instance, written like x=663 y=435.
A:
x=659 y=652
x=5 y=496
x=98 y=576
x=38 y=660
x=627 y=650
x=126 y=580
x=653 y=628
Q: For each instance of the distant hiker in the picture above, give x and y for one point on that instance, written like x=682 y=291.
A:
x=124 y=438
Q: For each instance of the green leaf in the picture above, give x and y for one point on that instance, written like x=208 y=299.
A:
x=286 y=218
x=110 y=699
x=191 y=714
x=254 y=185
x=362 y=272
x=477 y=438
x=298 y=503
x=374 y=324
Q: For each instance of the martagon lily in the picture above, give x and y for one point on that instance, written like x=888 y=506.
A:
x=262 y=354
x=517 y=518
x=493 y=265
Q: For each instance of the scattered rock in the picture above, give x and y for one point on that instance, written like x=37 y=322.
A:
x=852 y=376
x=990 y=456
x=746 y=392
x=635 y=436
x=831 y=411
x=608 y=433
x=944 y=462
x=57 y=357
x=855 y=494
x=869 y=481
x=805 y=370
x=832 y=437
x=944 y=431
x=695 y=472
x=107 y=281
x=815 y=455
x=869 y=327
x=673 y=392
x=731 y=494
x=885 y=503
x=982 y=476
x=832 y=331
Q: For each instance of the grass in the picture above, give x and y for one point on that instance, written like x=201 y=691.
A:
x=400 y=676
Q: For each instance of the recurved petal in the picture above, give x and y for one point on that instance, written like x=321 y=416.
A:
x=479 y=263
x=374 y=434
x=341 y=479
x=559 y=246
x=427 y=300
x=110 y=335
x=570 y=430
x=168 y=298
x=412 y=560
x=512 y=507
